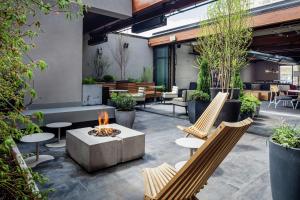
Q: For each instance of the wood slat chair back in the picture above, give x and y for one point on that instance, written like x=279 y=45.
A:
x=205 y=122
x=188 y=181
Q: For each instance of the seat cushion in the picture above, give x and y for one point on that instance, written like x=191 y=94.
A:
x=284 y=98
x=156 y=178
x=169 y=95
x=180 y=99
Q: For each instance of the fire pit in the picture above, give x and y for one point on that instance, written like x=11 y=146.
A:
x=104 y=132
x=94 y=153
x=101 y=131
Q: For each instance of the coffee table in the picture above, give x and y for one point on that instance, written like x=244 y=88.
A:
x=94 y=153
x=192 y=144
x=58 y=125
x=36 y=138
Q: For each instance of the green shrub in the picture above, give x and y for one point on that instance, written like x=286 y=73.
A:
x=89 y=80
x=237 y=81
x=287 y=136
x=160 y=88
x=200 y=96
x=108 y=78
x=203 y=81
x=123 y=102
x=249 y=103
x=132 y=80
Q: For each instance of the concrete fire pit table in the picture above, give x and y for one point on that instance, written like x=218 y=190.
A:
x=94 y=153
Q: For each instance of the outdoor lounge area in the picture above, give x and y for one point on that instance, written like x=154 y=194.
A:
x=150 y=99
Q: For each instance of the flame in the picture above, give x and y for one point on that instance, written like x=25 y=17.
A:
x=106 y=118
x=103 y=116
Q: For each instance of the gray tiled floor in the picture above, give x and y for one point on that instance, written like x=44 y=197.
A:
x=242 y=176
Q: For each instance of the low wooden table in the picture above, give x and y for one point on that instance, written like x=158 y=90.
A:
x=37 y=138
x=294 y=91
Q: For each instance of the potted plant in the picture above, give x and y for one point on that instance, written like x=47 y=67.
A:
x=91 y=92
x=284 y=155
x=248 y=107
x=197 y=105
x=125 y=112
x=200 y=98
x=226 y=50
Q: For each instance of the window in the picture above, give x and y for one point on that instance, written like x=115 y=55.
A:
x=296 y=75
x=286 y=74
x=161 y=66
x=290 y=74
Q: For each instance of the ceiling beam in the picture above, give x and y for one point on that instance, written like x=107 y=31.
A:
x=154 y=9
x=258 y=21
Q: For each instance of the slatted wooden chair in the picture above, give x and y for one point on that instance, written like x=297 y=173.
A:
x=205 y=122
x=164 y=183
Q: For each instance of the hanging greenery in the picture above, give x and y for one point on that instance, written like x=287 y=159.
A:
x=19 y=24
x=225 y=38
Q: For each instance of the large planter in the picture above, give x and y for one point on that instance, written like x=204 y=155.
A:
x=230 y=112
x=195 y=109
x=91 y=94
x=125 y=118
x=246 y=115
x=215 y=91
x=284 y=172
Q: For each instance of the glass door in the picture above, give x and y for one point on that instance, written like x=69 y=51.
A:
x=161 y=66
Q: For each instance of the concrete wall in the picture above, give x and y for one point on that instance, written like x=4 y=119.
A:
x=113 y=8
x=60 y=45
x=139 y=55
x=185 y=72
x=256 y=72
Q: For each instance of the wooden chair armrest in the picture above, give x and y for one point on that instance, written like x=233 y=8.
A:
x=182 y=128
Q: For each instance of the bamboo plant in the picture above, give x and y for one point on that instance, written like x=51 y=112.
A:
x=224 y=40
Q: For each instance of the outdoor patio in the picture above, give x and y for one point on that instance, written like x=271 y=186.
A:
x=150 y=99
x=243 y=174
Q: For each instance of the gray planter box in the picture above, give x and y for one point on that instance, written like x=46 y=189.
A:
x=125 y=118
x=91 y=94
x=284 y=172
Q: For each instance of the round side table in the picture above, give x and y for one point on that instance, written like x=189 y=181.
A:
x=36 y=138
x=192 y=144
x=58 y=125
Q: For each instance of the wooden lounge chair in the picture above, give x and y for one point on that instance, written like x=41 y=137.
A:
x=164 y=183
x=205 y=122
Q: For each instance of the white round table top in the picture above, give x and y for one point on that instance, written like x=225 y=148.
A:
x=37 y=137
x=59 y=124
x=192 y=143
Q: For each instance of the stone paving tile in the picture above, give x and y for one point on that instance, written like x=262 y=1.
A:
x=242 y=175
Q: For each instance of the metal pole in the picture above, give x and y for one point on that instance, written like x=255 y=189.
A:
x=37 y=148
x=58 y=134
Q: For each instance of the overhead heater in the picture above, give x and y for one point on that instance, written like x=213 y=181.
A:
x=149 y=24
